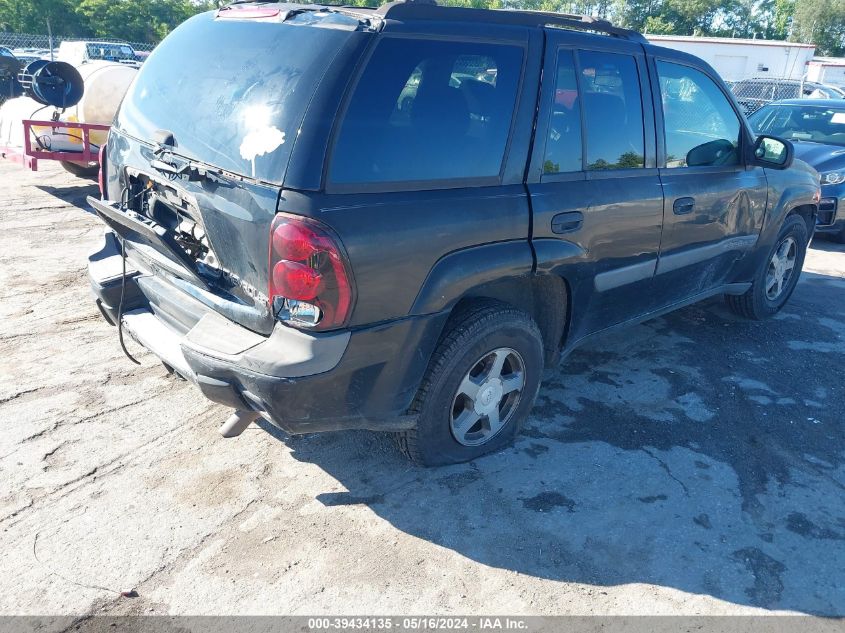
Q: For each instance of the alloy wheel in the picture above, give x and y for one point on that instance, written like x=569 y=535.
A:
x=487 y=396
x=781 y=268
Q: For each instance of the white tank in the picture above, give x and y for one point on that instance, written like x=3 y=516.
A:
x=106 y=84
x=16 y=110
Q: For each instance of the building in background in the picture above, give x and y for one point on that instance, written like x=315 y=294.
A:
x=827 y=70
x=737 y=59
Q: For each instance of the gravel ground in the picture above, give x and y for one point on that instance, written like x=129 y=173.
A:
x=691 y=465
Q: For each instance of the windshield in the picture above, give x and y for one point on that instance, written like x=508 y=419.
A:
x=232 y=92
x=814 y=123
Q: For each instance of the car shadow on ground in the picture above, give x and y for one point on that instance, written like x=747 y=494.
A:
x=697 y=451
x=74 y=194
x=826 y=243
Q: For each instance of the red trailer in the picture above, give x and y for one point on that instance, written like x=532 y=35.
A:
x=86 y=158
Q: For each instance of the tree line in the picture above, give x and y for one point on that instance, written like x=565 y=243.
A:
x=821 y=22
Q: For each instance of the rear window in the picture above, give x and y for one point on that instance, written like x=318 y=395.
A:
x=107 y=51
x=429 y=110
x=232 y=92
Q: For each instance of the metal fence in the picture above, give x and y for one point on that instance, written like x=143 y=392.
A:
x=29 y=45
x=752 y=94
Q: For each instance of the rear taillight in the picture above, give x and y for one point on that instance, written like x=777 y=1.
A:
x=310 y=281
x=101 y=176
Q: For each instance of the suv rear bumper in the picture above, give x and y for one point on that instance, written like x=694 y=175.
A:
x=302 y=382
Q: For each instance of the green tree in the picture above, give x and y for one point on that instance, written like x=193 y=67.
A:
x=821 y=22
x=31 y=16
x=634 y=14
x=136 y=20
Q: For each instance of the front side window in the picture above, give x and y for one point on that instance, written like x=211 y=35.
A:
x=701 y=127
x=613 y=110
x=427 y=110
x=563 y=145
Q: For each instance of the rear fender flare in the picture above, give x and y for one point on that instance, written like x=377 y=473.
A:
x=455 y=275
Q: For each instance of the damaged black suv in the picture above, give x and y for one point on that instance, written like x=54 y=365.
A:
x=394 y=218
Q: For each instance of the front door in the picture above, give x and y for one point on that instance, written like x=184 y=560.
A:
x=595 y=189
x=714 y=204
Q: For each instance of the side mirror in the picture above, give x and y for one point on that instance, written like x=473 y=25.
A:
x=773 y=152
x=716 y=152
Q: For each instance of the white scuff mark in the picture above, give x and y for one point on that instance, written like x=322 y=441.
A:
x=260 y=142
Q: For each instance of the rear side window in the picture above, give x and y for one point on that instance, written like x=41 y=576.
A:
x=563 y=146
x=428 y=110
x=701 y=127
x=613 y=110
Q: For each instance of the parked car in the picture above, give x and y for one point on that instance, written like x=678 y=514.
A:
x=9 y=68
x=304 y=246
x=28 y=55
x=753 y=94
x=81 y=52
x=817 y=129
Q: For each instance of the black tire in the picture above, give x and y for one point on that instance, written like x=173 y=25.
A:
x=81 y=171
x=469 y=336
x=755 y=304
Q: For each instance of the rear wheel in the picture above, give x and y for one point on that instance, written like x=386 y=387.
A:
x=776 y=279
x=81 y=171
x=480 y=386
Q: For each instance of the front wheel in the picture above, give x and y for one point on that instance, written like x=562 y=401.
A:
x=481 y=383
x=778 y=275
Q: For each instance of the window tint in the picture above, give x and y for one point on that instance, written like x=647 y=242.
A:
x=563 y=146
x=702 y=128
x=429 y=110
x=613 y=111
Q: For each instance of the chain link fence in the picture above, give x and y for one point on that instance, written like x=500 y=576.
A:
x=752 y=94
x=28 y=47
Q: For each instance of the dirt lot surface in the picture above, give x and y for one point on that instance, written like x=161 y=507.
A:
x=694 y=464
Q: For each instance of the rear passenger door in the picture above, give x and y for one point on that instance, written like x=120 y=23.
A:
x=714 y=203
x=595 y=191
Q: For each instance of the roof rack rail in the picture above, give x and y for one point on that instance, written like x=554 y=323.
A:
x=426 y=10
